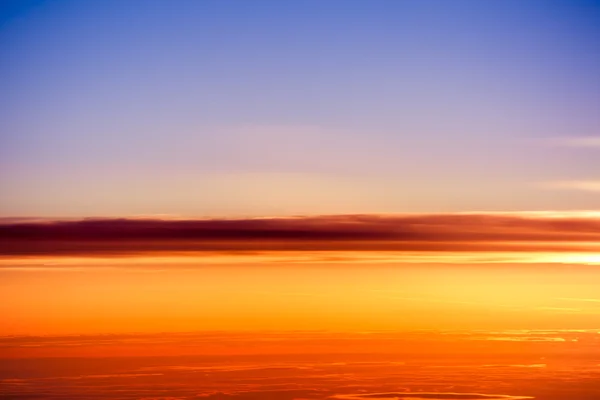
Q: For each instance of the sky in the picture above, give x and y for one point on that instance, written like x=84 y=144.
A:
x=182 y=165
x=300 y=199
x=234 y=108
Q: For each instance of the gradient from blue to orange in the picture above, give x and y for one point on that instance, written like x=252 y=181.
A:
x=231 y=107
x=157 y=114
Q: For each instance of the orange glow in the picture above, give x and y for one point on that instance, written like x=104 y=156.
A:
x=180 y=297
x=307 y=257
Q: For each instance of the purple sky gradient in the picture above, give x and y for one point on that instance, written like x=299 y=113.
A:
x=236 y=107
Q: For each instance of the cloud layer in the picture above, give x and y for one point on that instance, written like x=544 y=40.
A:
x=484 y=232
x=445 y=365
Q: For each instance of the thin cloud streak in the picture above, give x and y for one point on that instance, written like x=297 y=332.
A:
x=580 y=299
x=432 y=396
x=586 y=186
x=579 y=141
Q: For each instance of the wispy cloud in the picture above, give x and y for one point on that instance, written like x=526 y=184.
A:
x=585 y=185
x=581 y=185
x=433 y=396
x=580 y=299
x=578 y=141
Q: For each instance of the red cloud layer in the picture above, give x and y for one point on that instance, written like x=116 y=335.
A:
x=430 y=232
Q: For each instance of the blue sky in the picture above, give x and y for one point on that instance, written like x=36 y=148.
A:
x=235 y=107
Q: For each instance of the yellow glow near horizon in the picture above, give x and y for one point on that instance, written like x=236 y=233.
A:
x=305 y=257
x=351 y=297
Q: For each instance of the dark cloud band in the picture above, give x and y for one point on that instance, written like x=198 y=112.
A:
x=425 y=232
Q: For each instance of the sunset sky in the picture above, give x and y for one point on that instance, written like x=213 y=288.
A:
x=401 y=189
x=296 y=143
x=263 y=107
